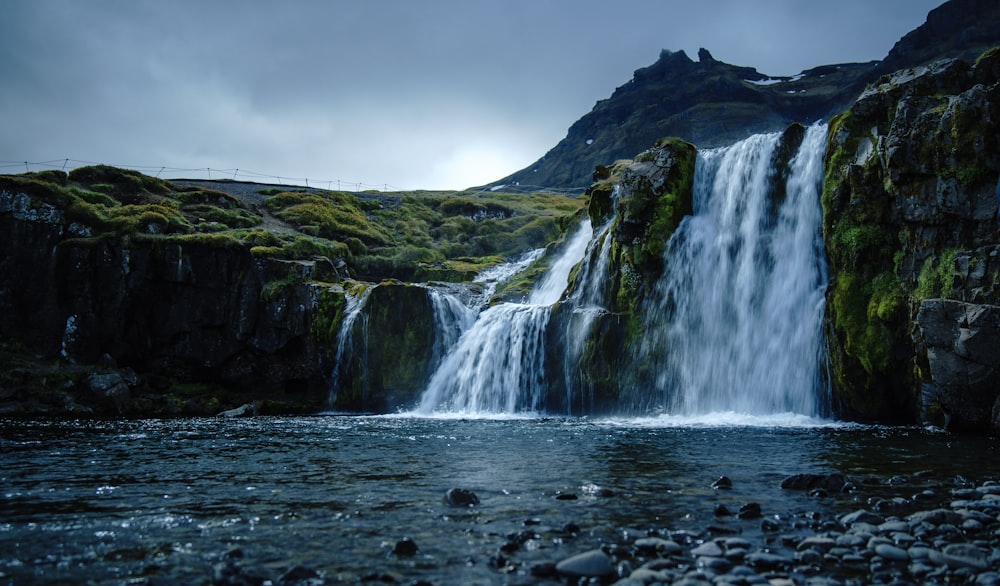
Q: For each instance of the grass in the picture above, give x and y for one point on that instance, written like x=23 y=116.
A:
x=408 y=236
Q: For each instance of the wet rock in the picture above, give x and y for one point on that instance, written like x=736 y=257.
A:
x=862 y=516
x=649 y=546
x=707 y=549
x=566 y=497
x=723 y=482
x=749 y=511
x=460 y=497
x=965 y=555
x=298 y=575
x=891 y=552
x=590 y=564
x=245 y=410
x=829 y=482
x=767 y=561
x=722 y=511
x=820 y=544
x=405 y=547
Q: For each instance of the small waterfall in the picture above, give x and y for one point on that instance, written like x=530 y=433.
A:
x=497 y=366
x=741 y=298
x=586 y=302
x=353 y=304
x=452 y=316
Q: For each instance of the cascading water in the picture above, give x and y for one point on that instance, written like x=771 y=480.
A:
x=498 y=364
x=587 y=305
x=742 y=295
x=352 y=310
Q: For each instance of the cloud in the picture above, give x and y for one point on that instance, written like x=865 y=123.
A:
x=431 y=94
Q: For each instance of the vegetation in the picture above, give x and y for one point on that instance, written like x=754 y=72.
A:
x=409 y=236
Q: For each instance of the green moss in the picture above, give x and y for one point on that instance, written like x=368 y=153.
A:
x=327 y=317
x=937 y=277
x=865 y=339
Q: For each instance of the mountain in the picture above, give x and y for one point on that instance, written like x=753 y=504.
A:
x=711 y=103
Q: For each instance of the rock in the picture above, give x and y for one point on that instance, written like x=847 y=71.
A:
x=862 y=516
x=891 y=552
x=723 y=482
x=245 y=410
x=460 y=497
x=707 y=549
x=767 y=561
x=111 y=387
x=722 y=511
x=649 y=546
x=405 y=547
x=590 y=564
x=749 y=511
x=820 y=544
x=298 y=574
x=965 y=555
x=831 y=482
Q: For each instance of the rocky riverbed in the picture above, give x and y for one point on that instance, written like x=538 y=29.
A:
x=938 y=535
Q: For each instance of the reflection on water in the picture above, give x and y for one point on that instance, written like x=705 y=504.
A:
x=108 y=501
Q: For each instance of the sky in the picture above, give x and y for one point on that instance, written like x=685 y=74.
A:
x=376 y=94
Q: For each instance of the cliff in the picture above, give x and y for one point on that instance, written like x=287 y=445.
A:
x=911 y=228
x=124 y=294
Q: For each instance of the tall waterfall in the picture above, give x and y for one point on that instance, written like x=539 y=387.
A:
x=497 y=365
x=740 y=304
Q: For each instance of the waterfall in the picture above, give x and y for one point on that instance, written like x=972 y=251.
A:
x=739 y=307
x=353 y=304
x=498 y=365
x=587 y=305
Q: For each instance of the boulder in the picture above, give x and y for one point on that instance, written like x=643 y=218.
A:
x=958 y=345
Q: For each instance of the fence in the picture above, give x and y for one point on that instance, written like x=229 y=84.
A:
x=209 y=173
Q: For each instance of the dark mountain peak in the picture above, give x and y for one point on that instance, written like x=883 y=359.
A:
x=711 y=103
x=961 y=29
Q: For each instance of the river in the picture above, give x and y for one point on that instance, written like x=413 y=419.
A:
x=188 y=500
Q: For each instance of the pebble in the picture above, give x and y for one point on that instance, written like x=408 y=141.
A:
x=590 y=564
x=709 y=548
x=959 y=555
x=891 y=552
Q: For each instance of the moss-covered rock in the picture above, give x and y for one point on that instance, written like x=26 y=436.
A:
x=390 y=354
x=910 y=185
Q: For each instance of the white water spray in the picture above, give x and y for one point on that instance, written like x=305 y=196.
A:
x=498 y=365
x=353 y=304
x=742 y=293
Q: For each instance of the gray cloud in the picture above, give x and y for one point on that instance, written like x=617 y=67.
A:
x=431 y=94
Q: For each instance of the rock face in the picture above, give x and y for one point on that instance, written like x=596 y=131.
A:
x=189 y=310
x=707 y=102
x=910 y=216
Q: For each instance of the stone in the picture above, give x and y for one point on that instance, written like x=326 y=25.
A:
x=862 y=516
x=965 y=555
x=830 y=482
x=722 y=482
x=655 y=545
x=749 y=511
x=405 y=547
x=891 y=552
x=245 y=410
x=708 y=549
x=590 y=564
x=460 y=497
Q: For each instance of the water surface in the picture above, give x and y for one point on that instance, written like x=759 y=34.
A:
x=164 y=501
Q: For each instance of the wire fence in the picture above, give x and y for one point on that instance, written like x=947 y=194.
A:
x=211 y=174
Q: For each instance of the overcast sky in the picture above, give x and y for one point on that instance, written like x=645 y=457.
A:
x=433 y=94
